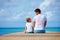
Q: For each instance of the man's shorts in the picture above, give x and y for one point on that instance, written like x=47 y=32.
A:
x=39 y=31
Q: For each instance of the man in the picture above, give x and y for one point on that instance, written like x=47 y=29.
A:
x=39 y=22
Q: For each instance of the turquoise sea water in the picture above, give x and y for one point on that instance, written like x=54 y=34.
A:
x=4 y=31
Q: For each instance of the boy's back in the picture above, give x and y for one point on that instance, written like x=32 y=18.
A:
x=29 y=27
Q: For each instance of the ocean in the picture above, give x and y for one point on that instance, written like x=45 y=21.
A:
x=4 y=31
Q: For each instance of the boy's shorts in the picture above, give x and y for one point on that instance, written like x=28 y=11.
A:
x=29 y=32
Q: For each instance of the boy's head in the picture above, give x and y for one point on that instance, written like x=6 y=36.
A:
x=37 y=11
x=28 y=19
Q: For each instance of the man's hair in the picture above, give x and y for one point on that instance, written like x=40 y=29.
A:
x=27 y=19
x=37 y=10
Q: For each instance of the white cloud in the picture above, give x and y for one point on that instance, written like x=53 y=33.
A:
x=45 y=4
x=30 y=14
x=14 y=18
x=48 y=14
x=11 y=3
x=1 y=11
x=33 y=3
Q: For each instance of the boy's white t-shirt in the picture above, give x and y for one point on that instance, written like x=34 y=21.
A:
x=29 y=27
x=39 y=19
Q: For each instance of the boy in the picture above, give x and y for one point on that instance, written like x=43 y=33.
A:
x=28 y=28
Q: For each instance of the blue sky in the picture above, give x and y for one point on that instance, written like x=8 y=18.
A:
x=14 y=12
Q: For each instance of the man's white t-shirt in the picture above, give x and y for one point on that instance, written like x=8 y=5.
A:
x=29 y=27
x=39 y=19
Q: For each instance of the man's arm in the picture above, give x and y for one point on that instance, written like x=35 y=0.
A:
x=33 y=25
x=45 y=23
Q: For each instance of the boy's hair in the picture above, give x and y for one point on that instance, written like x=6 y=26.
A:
x=27 y=19
x=37 y=10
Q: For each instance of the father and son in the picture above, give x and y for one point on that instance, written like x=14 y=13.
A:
x=37 y=25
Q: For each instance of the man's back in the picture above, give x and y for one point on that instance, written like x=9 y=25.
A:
x=39 y=19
